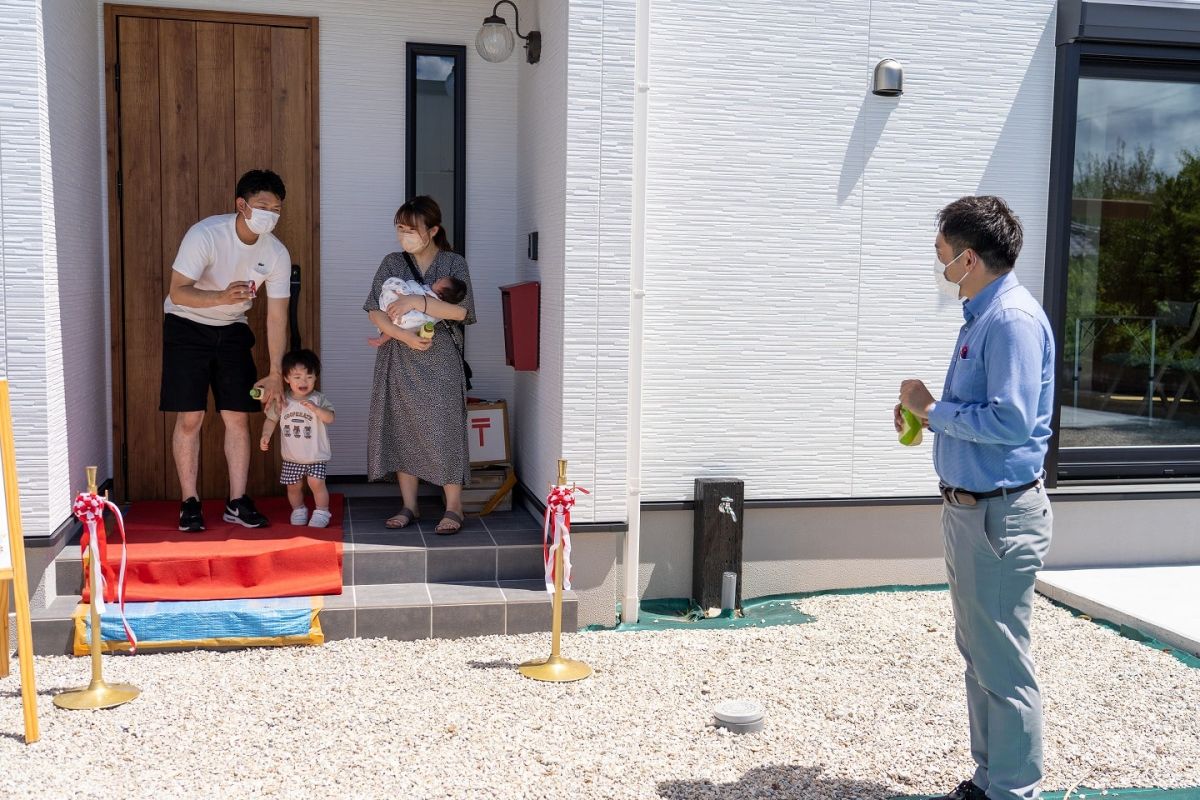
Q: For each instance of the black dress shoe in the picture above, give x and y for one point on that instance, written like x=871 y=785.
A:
x=190 y=518
x=966 y=790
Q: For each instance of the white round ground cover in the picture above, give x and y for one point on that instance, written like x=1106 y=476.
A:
x=866 y=702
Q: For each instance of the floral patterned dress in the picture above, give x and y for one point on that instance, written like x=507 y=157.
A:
x=418 y=420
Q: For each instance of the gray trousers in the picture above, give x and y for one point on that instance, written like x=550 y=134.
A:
x=993 y=552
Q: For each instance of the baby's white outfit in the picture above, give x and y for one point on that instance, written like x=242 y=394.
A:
x=393 y=288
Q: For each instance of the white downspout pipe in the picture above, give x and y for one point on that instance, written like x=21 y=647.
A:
x=630 y=603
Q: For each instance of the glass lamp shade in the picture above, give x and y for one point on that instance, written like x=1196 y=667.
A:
x=494 y=41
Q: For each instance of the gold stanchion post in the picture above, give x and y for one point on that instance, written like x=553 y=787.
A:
x=97 y=694
x=556 y=668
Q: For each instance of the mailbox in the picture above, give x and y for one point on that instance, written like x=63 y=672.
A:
x=521 y=303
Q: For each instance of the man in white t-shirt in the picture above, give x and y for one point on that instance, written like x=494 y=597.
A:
x=224 y=262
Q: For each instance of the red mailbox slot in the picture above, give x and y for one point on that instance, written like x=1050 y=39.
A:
x=522 y=323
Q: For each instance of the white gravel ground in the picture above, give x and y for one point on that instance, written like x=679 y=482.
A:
x=866 y=702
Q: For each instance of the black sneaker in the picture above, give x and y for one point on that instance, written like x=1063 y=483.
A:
x=967 y=790
x=190 y=518
x=243 y=512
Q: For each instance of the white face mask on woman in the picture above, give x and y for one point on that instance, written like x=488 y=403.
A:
x=945 y=285
x=261 y=221
x=412 y=242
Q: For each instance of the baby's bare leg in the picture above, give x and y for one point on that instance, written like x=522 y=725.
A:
x=320 y=492
x=295 y=494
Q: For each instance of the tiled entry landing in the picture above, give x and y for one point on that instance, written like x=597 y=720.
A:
x=406 y=584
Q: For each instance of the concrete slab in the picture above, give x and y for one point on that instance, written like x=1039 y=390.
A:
x=1163 y=602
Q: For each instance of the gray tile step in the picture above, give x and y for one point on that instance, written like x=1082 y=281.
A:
x=403 y=611
x=409 y=611
x=53 y=628
x=504 y=546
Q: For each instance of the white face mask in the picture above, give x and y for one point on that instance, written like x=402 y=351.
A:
x=945 y=285
x=412 y=242
x=261 y=221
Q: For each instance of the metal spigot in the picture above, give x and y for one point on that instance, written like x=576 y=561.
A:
x=726 y=507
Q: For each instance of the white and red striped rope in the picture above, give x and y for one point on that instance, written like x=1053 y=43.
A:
x=558 y=519
x=89 y=509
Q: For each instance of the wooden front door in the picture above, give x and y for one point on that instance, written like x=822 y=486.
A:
x=195 y=99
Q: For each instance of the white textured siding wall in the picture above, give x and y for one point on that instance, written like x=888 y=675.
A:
x=575 y=183
x=362 y=113
x=790 y=222
x=978 y=125
x=541 y=207
x=599 y=181
x=33 y=341
x=73 y=91
x=613 y=230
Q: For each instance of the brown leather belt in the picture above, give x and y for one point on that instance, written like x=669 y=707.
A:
x=961 y=497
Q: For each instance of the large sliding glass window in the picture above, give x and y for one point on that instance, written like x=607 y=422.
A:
x=1129 y=388
x=1134 y=273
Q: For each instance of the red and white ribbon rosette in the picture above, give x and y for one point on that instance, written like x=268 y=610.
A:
x=89 y=509
x=558 y=518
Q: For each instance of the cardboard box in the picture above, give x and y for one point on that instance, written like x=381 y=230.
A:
x=487 y=433
x=486 y=481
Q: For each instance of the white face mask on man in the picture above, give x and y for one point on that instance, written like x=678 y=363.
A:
x=945 y=285
x=261 y=221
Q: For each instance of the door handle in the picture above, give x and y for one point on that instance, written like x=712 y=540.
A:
x=294 y=309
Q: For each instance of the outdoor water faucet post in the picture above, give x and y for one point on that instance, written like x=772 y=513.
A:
x=717 y=542
x=729 y=582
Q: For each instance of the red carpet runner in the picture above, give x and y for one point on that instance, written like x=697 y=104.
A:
x=226 y=562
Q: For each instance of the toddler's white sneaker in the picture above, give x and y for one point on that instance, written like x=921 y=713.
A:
x=320 y=518
x=300 y=515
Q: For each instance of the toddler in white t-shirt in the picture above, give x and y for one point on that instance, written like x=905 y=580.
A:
x=449 y=290
x=303 y=439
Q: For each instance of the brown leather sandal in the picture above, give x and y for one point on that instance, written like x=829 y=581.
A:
x=451 y=523
x=403 y=519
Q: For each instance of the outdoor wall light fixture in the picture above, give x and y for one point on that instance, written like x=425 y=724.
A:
x=889 y=78
x=495 y=41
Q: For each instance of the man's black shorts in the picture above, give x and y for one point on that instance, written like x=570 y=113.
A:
x=197 y=356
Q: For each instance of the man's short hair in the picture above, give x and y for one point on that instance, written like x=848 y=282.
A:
x=986 y=225
x=305 y=359
x=260 y=180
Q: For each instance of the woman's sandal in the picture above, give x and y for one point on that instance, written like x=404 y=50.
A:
x=403 y=519
x=451 y=523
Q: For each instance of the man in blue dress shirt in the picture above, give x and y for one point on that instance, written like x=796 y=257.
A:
x=993 y=425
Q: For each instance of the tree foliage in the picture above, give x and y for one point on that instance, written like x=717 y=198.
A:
x=1135 y=248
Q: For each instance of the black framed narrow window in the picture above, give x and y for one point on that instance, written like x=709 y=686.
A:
x=1123 y=260
x=435 y=132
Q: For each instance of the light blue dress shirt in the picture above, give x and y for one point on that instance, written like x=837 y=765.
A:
x=993 y=421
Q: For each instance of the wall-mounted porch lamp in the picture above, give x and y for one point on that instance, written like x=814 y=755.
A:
x=495 y=41
x=889 y=78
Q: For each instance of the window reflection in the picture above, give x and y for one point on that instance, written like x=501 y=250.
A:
x=435 y=136
x=1131 y=345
